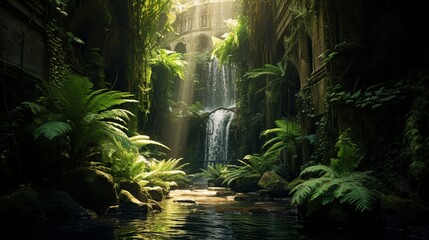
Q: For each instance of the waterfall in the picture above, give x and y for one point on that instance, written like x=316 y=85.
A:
x=219 y=94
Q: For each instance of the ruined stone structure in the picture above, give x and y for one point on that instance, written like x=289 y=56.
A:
x=23 y=53
x=358 y=44
x=200 y=22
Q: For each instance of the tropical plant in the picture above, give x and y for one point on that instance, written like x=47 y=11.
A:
x=286 y=136
x=163 y=173
x=234 y=46
x=171 y=62
x=415 y=136
x=82 y=116
x=133 y=158
x=148 y=22
x=251 y=166
x=276 y=72
x=167 y=67
x=214 y=174
x=319 y=185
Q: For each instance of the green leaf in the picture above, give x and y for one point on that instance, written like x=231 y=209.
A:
x=52 y=129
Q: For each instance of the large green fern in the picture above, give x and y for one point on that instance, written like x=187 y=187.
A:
x=320 y=185
x=82 y=115
x=283 y=137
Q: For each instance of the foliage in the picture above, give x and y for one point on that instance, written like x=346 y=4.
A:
x=285 y=138
x=170 y=61
x=276 y=72
x=164 y=173
x=415 y=135
x=82 y=116
x=148 y=21
x=233 y=47
x=374 y=97
x=134 y=158
x=214 y=173
x=166 y=67
x=319 y=185
x=252 y=165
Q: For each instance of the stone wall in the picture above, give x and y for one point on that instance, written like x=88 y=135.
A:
x=23 y=50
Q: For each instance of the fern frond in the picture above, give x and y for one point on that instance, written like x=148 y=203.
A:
x=52 y=129
x=316 y=170
x=143 y=140
x=360 y=197
x=303 y=191
x=325 y=189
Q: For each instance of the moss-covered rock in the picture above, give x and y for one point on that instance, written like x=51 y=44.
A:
x=91 y=188
x=273 y=185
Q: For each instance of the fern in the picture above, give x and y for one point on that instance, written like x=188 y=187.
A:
x=52 y=129
x=85 y=116
x=321 y=184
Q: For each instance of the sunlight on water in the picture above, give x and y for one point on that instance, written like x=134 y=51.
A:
x=204 y=215
x=211 y=217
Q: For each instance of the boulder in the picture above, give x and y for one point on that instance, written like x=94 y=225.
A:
x=91 y=188
x=134 y=188
x=60 y=206
x=129 y=205
x=22 y=206
x=273 y=185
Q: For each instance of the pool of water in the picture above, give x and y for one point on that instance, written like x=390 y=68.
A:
x=194 y=215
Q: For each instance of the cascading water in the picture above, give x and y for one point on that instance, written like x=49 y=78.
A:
x=219 y=97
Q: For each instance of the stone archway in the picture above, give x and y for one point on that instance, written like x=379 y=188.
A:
x=180 y=47
x=202 y=43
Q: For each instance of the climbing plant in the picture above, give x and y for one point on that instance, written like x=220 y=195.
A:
x=148 y=20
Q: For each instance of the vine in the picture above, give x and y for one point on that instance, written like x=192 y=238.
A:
x=416 y=131
x=58 y=69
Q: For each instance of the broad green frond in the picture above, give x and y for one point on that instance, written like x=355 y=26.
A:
x=316 y=170
x=326 y=188
x=360 y=197
x=303 y=191
x=267 y=69
x=143 y=140
x=52 y=129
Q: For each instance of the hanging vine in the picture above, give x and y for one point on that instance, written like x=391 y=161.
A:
x=148 y=20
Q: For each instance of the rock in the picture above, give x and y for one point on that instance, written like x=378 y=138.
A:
x=273 y=185
x=60 y=206
x=134 y=188
x=129 y=206
x=23 y=206
x=156 y=193
x=93 y=189
x=128 y=203
x=246 y=184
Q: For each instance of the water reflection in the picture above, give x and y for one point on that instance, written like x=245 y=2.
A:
x=211 y=218
x=225 y=220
